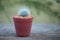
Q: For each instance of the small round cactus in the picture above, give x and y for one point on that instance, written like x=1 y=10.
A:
x=24 y=12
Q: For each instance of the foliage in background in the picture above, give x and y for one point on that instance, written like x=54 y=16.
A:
x=43 y=5
x=1 y=6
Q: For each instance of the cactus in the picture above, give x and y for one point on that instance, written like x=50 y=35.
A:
x=24 y=12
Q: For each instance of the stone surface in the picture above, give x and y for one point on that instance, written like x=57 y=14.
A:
x=38 y=32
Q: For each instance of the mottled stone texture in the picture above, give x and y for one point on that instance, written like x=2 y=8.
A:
x=38 y=32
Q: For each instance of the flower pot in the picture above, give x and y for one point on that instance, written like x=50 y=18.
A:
x=23 y=25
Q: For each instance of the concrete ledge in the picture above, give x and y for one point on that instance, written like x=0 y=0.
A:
x=38 y=31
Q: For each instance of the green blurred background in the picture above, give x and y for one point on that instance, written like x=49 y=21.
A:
x=43 y=11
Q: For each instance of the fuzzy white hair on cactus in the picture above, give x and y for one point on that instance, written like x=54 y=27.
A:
x=24 y=11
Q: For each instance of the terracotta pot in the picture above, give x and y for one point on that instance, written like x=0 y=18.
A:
x=23 y=25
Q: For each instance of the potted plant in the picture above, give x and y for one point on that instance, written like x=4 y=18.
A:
x=23 y=22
